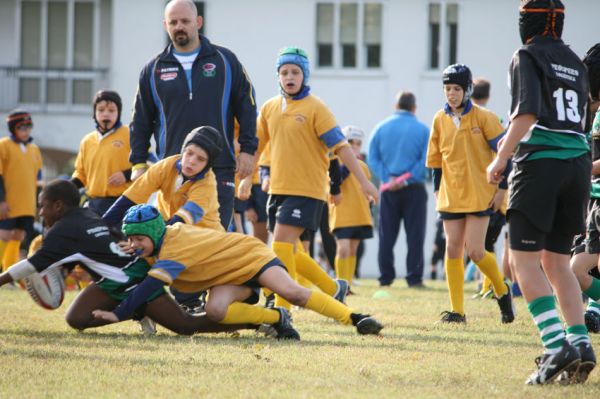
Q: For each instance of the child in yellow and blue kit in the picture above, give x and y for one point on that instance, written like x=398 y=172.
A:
x=20 y=176
x=193 y=259
x=350 y=219
x=102 y=165
x=186 y=184
x=462 y=143
x=301 y=131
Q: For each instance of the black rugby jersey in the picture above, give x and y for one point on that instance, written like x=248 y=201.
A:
x=548 y=80
x=81 y=237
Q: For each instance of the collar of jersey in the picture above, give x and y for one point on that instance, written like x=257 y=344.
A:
x=468 y=107
x=13 y=138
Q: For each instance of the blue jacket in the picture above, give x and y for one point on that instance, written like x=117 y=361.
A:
x=166 y=108
x=399 y=145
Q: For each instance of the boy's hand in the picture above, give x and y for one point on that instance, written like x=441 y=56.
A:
x=126 y=247
x=335 y=199
x=105 y=315
x=4 y=210
x=495 y=170
x=370 y=191
x=245 y=188
x=117 y=179
x=137 y=173
x=497 y=200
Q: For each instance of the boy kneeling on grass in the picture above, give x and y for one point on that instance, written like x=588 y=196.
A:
x=193 y=259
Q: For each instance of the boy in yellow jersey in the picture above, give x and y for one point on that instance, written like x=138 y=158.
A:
x=350 y=220
x=463 y=140
x=186 y=184
x=102 y=165
x=193 y=259
x=301 y=131
x=20 y=176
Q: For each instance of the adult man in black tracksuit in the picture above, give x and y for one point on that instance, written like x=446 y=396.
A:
x=194 y=83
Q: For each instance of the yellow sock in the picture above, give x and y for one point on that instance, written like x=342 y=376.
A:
x=489 y=267
x=310 y=269
x=285 y=253
x=486 y=284
x=455 y=275
x=303 y=281
x=11 y=254
x=338 y=271
x=241 y=313
x=327 y=306
x=2 y=248
x=346 y=266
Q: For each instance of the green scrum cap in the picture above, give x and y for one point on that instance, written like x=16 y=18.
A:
x=144 y=220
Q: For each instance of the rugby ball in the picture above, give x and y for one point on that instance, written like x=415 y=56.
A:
x=47 y=288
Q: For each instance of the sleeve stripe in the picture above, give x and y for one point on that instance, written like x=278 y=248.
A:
x=332 y=137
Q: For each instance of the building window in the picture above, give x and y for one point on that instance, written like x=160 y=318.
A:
x=443 y=45
x=60 y=52
x=434 y=36
x=349 y=35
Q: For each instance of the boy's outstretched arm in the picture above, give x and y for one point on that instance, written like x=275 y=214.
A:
x=18 y=271
x=349 y=160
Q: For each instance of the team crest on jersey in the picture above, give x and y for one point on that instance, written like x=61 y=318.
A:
x=300 y=118
x=168 y=76
x=209 y=70
x=118 y=143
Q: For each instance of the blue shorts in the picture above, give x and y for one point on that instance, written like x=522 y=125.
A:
x=21 y=222
x=457 y=216
x=239 y=206
x=253 y=282
x=258 y=202
x=295 y=211
x=354 y=233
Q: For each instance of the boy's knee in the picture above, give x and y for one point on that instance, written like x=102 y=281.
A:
x=476 y=254
x=215 y=311
x=76 y=322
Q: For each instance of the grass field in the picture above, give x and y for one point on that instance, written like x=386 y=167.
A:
x=42 y=357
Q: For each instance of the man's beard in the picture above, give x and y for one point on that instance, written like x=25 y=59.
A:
x=181 y=39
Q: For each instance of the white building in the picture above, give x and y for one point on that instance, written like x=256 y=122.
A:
x=56 y=54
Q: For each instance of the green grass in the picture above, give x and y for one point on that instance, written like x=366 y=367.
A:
x=42 y=357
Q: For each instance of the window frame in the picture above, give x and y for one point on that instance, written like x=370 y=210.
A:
x=69 y=72
x=447 y=32
x=360 y=56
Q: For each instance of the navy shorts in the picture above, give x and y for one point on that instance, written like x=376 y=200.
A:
x=258 y=202
x=20 y=222
x=253 y=282
x=295 y=211
x=239 y=206
x=353 y=233
x=456 y=216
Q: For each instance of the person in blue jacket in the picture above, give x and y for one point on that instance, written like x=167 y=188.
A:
x=194 y=83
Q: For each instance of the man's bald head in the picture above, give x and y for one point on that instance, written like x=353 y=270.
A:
x=182 y=3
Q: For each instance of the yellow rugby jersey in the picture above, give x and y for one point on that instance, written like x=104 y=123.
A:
x=354 y=209
x=21 y=169
x=100 y=157
x=300 y=132
x=463 y=154
x=193 y=259
x=195 y=201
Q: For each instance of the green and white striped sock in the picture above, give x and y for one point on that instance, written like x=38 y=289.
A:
x=593 y=306
x=545 y=316
x=577 y=334
x=594 y=289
